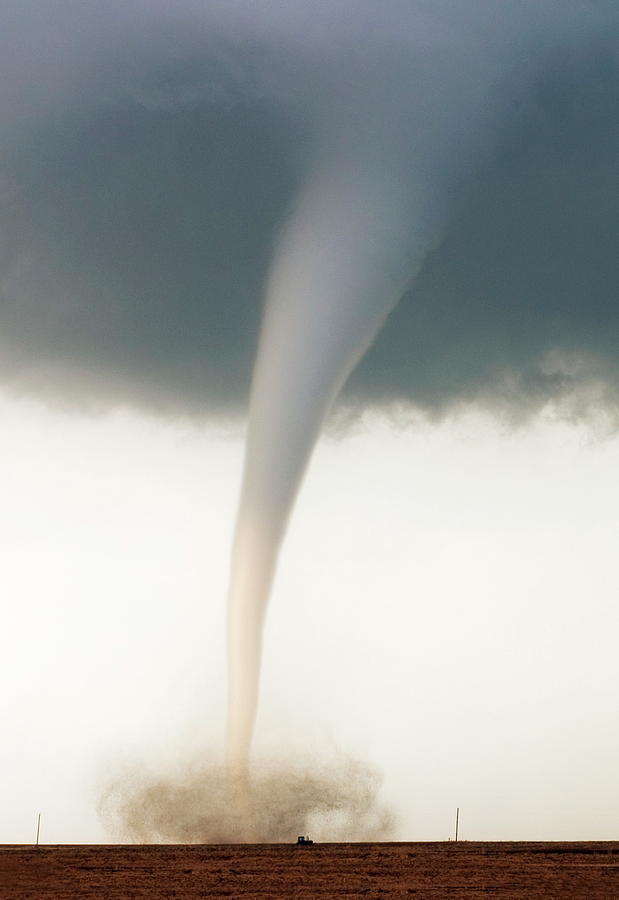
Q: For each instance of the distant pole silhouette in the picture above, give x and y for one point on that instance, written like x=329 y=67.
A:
x=38 y=828
x=457 y=821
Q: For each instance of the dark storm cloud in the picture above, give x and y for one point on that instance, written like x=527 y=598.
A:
x=520 y=301
x=150 y=156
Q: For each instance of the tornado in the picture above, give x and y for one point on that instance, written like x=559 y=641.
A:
x=357 y=233
x=338 y=270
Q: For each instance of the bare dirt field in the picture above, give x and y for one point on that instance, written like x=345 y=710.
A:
x=587 y=870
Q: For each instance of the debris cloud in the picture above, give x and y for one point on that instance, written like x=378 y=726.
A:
x=335 y=801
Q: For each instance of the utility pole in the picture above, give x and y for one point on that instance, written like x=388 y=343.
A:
x=457 y=821
x=38 y=828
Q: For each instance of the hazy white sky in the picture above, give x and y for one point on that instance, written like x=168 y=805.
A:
x=446 y=609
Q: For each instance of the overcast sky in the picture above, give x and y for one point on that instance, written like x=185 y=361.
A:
x=446 y=604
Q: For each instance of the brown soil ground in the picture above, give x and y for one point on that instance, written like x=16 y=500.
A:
x=430 y=870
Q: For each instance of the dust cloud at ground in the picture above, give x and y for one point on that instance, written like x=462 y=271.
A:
x=332 y=801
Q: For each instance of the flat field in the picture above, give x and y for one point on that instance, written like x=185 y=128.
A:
x=587 y=870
